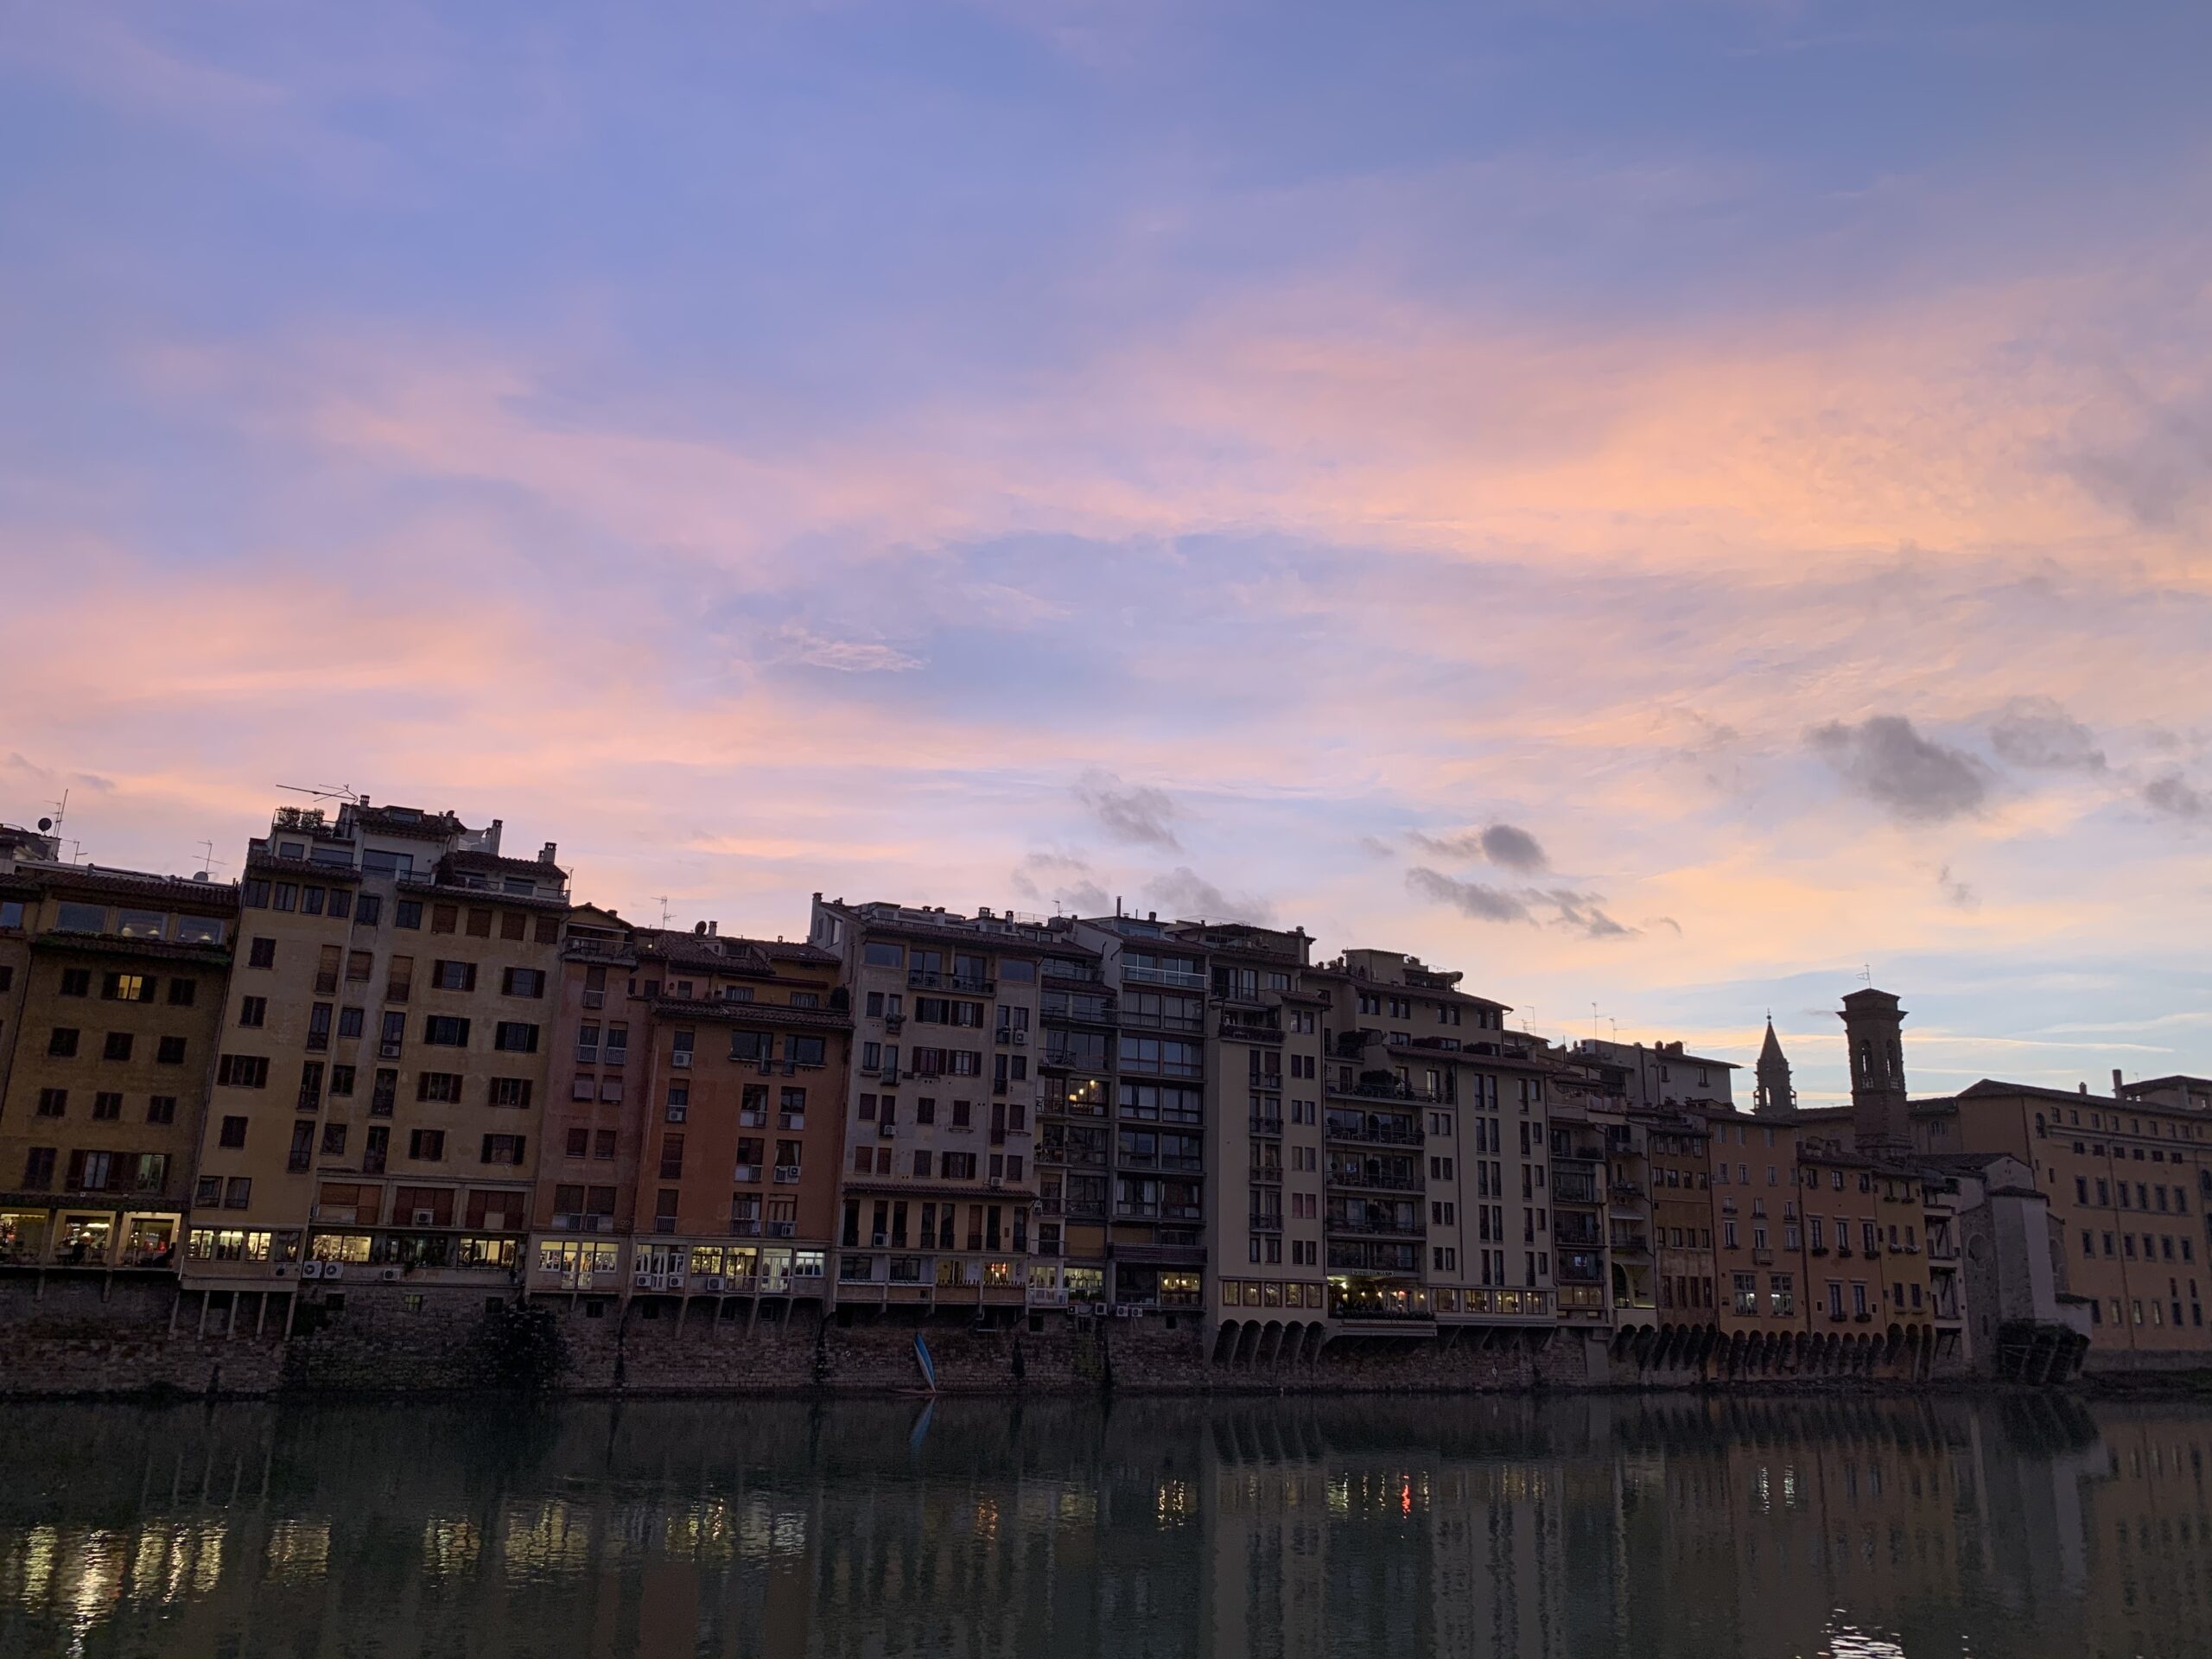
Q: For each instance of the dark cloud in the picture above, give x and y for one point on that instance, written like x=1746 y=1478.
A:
x=2154 y=461
x=1917 y=780
x=1956 y=891
x=1191 y=897
x=1666 y=921
x=1376 y=847
x=1484 y=904
x=1135 y=813
x=2038 y=732
x=1506 y=845
x=2173 y=796
x=1053 y=878
x=1581 y=913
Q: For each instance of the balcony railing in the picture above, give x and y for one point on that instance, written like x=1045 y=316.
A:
x=1374 y=1131
x=1136 y=1019
x=1182 y=978
x=921 y=979
x=1381 y=1181
x=1266 y=1125
x=1238 y=1031
x=1574 y=1189
x=1378 y=1227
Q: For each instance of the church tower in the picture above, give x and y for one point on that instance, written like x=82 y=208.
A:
x=1881 y=1116
x=1777 y=1097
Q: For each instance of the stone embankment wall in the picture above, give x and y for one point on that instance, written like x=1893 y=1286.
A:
x=79 y=1335
x=76 y=1337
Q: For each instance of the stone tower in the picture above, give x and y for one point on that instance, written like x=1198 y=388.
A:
x=1776 y=1096
x=1880 y=1114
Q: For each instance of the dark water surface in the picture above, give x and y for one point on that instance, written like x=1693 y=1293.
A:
x=1584 y=1526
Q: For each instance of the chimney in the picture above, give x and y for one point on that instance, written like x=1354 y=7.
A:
x=1152 y=915
x=2085 y=1088
x=2116 y=1090
x=713 y=928
x=546 y=853
x=492 y=838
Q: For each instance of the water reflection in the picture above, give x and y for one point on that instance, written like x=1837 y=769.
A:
x=1492 y=1528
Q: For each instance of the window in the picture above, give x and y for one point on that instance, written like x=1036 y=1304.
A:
x=502 y=1149
x=241 y=1071
x=234 y=1132
x=253 y=1012
x=883 y=955
x=82 y=919
x=341 y=1080
x=107 y=1104
x=407 y=913
x=161 y=1108
x=427 y=1146
x=453 y=976
x=53 y=1102
x=369 y=912
x=127 y=988
x=182 y=991
x=38 y=1169
x=445 y=1031
x=61 y=1043
x=117 y=1047
x=169 y=1051
x=440 y=1086
x=511 y=1091
x=523 y=982
x=238 y=1192
x=515 y=1037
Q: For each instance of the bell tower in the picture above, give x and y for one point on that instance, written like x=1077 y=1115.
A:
x=1881 y=1116
x=1777 y=1096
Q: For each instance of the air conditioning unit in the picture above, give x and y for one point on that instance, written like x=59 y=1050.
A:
x=281 y=1271
x=597 y=1224
x=887 y=1129
x=1098 y=1309
x=1136 y=1312
x=425 y=1218
x=675 y=1281
x=713 y=1281
x=310 y=1269
x=996 y=1184
x=390 y=1275
x=893 y=1021
x=1121 y=1313
x=641 y=1281
x=787 y=1174
x=680 y=1058
x=1020 y=1037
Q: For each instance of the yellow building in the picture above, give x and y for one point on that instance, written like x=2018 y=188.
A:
x=375 y=1111
x=111 y=989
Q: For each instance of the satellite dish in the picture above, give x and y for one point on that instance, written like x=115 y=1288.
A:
x=45 y=824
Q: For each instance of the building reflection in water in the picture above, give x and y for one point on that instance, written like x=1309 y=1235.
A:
x=1508 y=1528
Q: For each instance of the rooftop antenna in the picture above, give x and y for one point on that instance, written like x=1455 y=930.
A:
x=661 y=899
x=324 y=792
x=1866 y=975
x=207 y=860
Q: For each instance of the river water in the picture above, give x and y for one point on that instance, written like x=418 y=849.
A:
x=1581 y=1527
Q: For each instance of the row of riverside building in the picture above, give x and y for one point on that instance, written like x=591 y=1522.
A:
x=390 y=1055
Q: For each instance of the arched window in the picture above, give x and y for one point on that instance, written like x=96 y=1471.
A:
x=2041 y=1132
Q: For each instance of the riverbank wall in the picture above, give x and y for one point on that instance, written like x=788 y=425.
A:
x=82 y=1338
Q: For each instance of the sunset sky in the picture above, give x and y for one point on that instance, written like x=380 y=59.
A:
x=1658 y=505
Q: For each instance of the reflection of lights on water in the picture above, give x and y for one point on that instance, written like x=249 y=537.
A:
x=1078 y=1506
x=299 y=1551
x=1846 y=1643
x=986 y=1519
x=450 y=1547
x=1174 y=1500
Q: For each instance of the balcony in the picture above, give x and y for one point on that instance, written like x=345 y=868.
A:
x=1267 y=1223
x=921 y=979
x=1377 y=1227
x=1373 y=1179
x=1266 y=1125
x=1242 y=1031
x=1134 y=1019
x=1762 y=1258
x=1374 y=1131
x=1565 y=1232
x=1186 y=979
x=1632 y=1245
x=1569 y=1188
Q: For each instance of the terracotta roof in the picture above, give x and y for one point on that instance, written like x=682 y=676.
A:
x=110 y=944
x=499 y=864
x=220 y=896
x=728 y=1012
